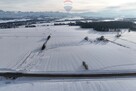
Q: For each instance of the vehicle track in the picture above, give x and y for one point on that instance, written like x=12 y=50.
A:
x=29 y=62
x=107 y=67
x=24 y=60
x=20 y=60
x=118 y=44
x=128 y=40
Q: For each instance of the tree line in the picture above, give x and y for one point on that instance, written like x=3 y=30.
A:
x=106 y=26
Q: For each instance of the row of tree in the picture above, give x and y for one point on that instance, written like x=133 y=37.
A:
x=106 y=26
x=15 y=24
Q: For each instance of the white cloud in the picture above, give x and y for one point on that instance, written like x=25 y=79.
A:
x=57 y=5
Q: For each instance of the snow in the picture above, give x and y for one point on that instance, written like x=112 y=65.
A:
x=6 y=21
x=72 y=85
x=65 y=52
x=71 y=18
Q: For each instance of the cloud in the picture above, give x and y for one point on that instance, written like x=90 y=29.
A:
x=78 y=5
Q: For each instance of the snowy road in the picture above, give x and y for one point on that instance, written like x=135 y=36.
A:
x=71 y=85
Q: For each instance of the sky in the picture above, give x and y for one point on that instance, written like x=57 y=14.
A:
x=78 y=5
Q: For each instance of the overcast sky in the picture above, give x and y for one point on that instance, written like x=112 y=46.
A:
x=78 y=5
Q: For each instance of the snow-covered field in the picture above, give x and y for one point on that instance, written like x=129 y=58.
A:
x=6 y=21
x=65 y=52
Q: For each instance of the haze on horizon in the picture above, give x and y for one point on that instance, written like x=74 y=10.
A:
x=78 y=5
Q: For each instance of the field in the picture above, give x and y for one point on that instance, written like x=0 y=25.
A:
x=20 y=51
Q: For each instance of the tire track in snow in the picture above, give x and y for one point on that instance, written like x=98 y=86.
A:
x=113 y=66
x=118 y=44
x=24 y=60
x=128 y=40
x=30 y=63
x=46 y=62
x=73 y=63
x=99 y=60
x=96 y=61
x=121 y=65
x=41 y=63
x=20 y=60
x=124 y=45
